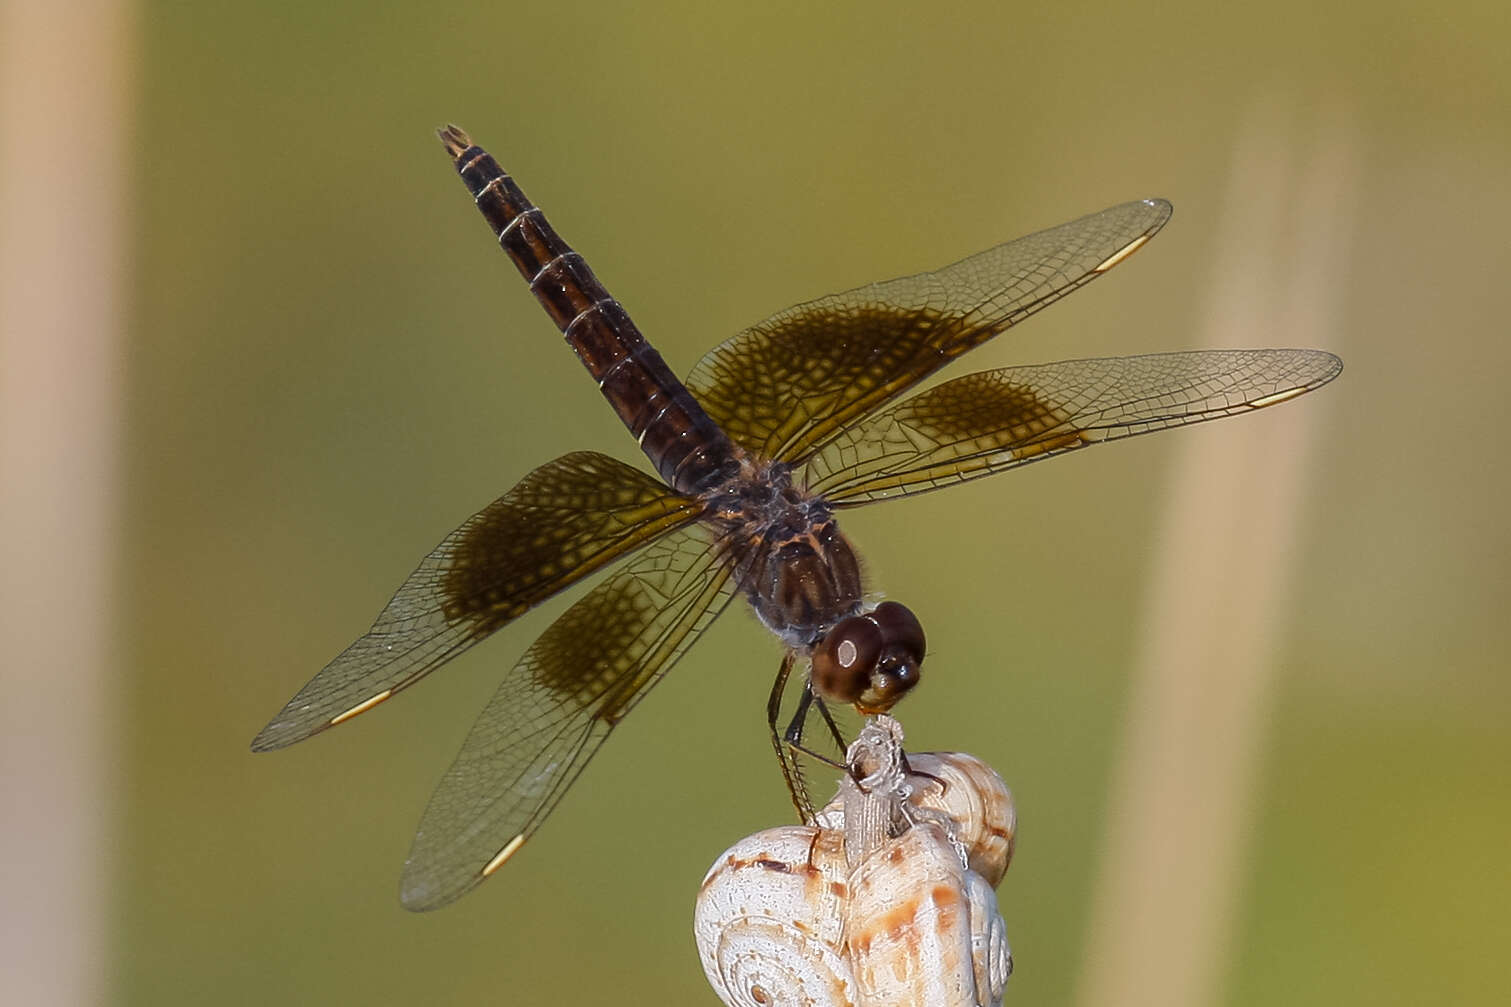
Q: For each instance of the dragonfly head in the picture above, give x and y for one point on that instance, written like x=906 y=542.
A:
x=871 y=660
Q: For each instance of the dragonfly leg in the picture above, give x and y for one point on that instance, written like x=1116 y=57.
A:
x=789 y=743
x=834 y=732
x=794 y=733
x=793 y=736
x=791 y=771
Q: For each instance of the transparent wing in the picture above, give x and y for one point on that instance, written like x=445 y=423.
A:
x=989 y=422
x=784 y=387
x=563 y=521
x=556 y=707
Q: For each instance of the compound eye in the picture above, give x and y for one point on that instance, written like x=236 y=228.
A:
x=843 y=660
x=896 y=673
x=900 y=628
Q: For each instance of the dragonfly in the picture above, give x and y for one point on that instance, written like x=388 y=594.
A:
x=772 y=435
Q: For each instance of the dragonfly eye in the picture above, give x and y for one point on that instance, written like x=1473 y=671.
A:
x=900 y=627
x=844 y=660
x=896 y=673
x=898 y=664
x=870 y=660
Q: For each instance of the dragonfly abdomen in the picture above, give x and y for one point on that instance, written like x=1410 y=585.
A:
x=687 y=448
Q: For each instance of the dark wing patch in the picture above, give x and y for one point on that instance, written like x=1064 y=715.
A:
x=784 y=387
x=989 y=422
x=556 y=706
x=563 y=521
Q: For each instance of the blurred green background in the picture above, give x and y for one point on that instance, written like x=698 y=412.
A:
x=330 y=367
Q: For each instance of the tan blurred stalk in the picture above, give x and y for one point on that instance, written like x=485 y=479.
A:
x=1181 y=819
x=65 y=75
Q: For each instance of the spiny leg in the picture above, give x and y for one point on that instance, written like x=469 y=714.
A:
x=794 y=733
x=790 y=742
x=791 y=772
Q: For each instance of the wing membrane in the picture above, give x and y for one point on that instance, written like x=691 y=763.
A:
x=988 y=422
x=556 y=707
x=785 y=386
x=563 y=521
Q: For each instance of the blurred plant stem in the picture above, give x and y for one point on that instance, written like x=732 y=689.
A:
x=1189 y=772
x=65 y=78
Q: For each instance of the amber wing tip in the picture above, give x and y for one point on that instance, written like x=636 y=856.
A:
x=454 y=139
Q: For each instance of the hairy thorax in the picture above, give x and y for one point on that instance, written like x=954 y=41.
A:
x=795 y=567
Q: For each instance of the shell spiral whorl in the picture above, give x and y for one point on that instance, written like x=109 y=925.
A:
x=769 y=924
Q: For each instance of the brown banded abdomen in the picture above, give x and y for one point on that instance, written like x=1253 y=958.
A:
x=687 y=448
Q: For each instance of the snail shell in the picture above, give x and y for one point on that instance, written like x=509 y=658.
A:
x=970 y=794
x=924 y=929
x=973 y=796
x=783 y=919
x=770 y=923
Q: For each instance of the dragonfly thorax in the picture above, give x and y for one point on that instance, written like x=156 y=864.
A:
x=795 y=567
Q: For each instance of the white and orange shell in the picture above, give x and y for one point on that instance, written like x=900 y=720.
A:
x=770 y=920
x=973 y=796
x=782 y=919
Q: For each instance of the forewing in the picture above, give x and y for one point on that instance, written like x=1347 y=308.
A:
x=556 y=707
x=560 y=523
x=784 y=387
x=992 y=421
